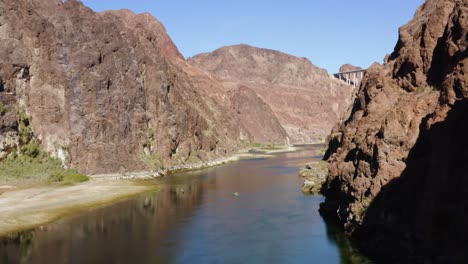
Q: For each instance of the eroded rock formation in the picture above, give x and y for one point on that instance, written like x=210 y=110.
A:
x=398 y=162
x=304 y=98
x=109 y=92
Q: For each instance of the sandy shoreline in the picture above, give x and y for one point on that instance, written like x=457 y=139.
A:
x=147 y=175
x=29 y=208
x=22 y=209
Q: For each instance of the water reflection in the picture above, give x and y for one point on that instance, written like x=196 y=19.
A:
x=348 y=252
x=121 y=233
x=195 y=218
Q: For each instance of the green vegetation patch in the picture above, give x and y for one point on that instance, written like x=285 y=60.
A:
x=27 y=170
x=193 y=158
x=30 y=164
x=361 y=208
x=3 y=109
x=67 y=177
x=262 y=145
x=151 y=134
x=153 y=161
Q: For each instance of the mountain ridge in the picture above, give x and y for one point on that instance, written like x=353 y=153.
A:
x=305 y=98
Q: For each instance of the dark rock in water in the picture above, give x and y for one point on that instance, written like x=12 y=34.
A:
x=398 y=163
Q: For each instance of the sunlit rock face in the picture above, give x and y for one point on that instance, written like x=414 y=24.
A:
x=110 y=92
x=398 y=162
x=349 y=67
x=304 y=98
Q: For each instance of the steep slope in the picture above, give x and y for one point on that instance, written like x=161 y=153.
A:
x=102 y=90
x=398 y=162
x=270 y=131
x=304 y=98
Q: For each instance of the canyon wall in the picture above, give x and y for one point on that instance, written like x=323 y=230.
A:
x=304 y=98
x=110 y=92
x=101 y=90
x=398 y=162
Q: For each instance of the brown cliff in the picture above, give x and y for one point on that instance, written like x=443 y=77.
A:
x=108 y=92
x=250 y=130
x=304 y=98
x=397 y=164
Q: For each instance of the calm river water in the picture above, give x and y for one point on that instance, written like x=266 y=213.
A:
x=196 y=218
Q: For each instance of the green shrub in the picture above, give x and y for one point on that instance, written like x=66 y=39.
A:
x=265 y=146
x=193 y=159
x=31 y=150
x=3 y=109
x=151 y=134
x=32 y=165
x=363 y=206
x=56 y=177
x=67 y=177
x=24 y=130
x=24 y=169
x=153 y=161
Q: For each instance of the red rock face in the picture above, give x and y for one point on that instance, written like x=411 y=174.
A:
x=304 y=98
x=398 y=162
x=157 y=31
x=110 y=92
x=102 y=89
x=256 y=123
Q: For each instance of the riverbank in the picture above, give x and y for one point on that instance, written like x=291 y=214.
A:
x=255 y=152
x=244 y=205
x=22 y=208
x=33 y=207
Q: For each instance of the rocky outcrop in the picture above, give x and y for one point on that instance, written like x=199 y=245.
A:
x=349 y=67
x=398 y=162
x=304 y=98
x=314 y=175
x=108 y=92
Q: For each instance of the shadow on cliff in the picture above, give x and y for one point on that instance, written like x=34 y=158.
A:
x=349 y=253
x=422 y=215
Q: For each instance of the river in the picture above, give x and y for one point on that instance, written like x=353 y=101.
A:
x=248 y=211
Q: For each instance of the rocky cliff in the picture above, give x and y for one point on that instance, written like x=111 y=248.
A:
x=398 y=163
x=304 y=98
x=258 y=125
x=108 y=92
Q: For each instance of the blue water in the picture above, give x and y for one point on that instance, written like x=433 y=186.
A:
x=195 y=218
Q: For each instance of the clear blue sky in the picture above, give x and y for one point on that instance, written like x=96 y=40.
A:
x=329 y=33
